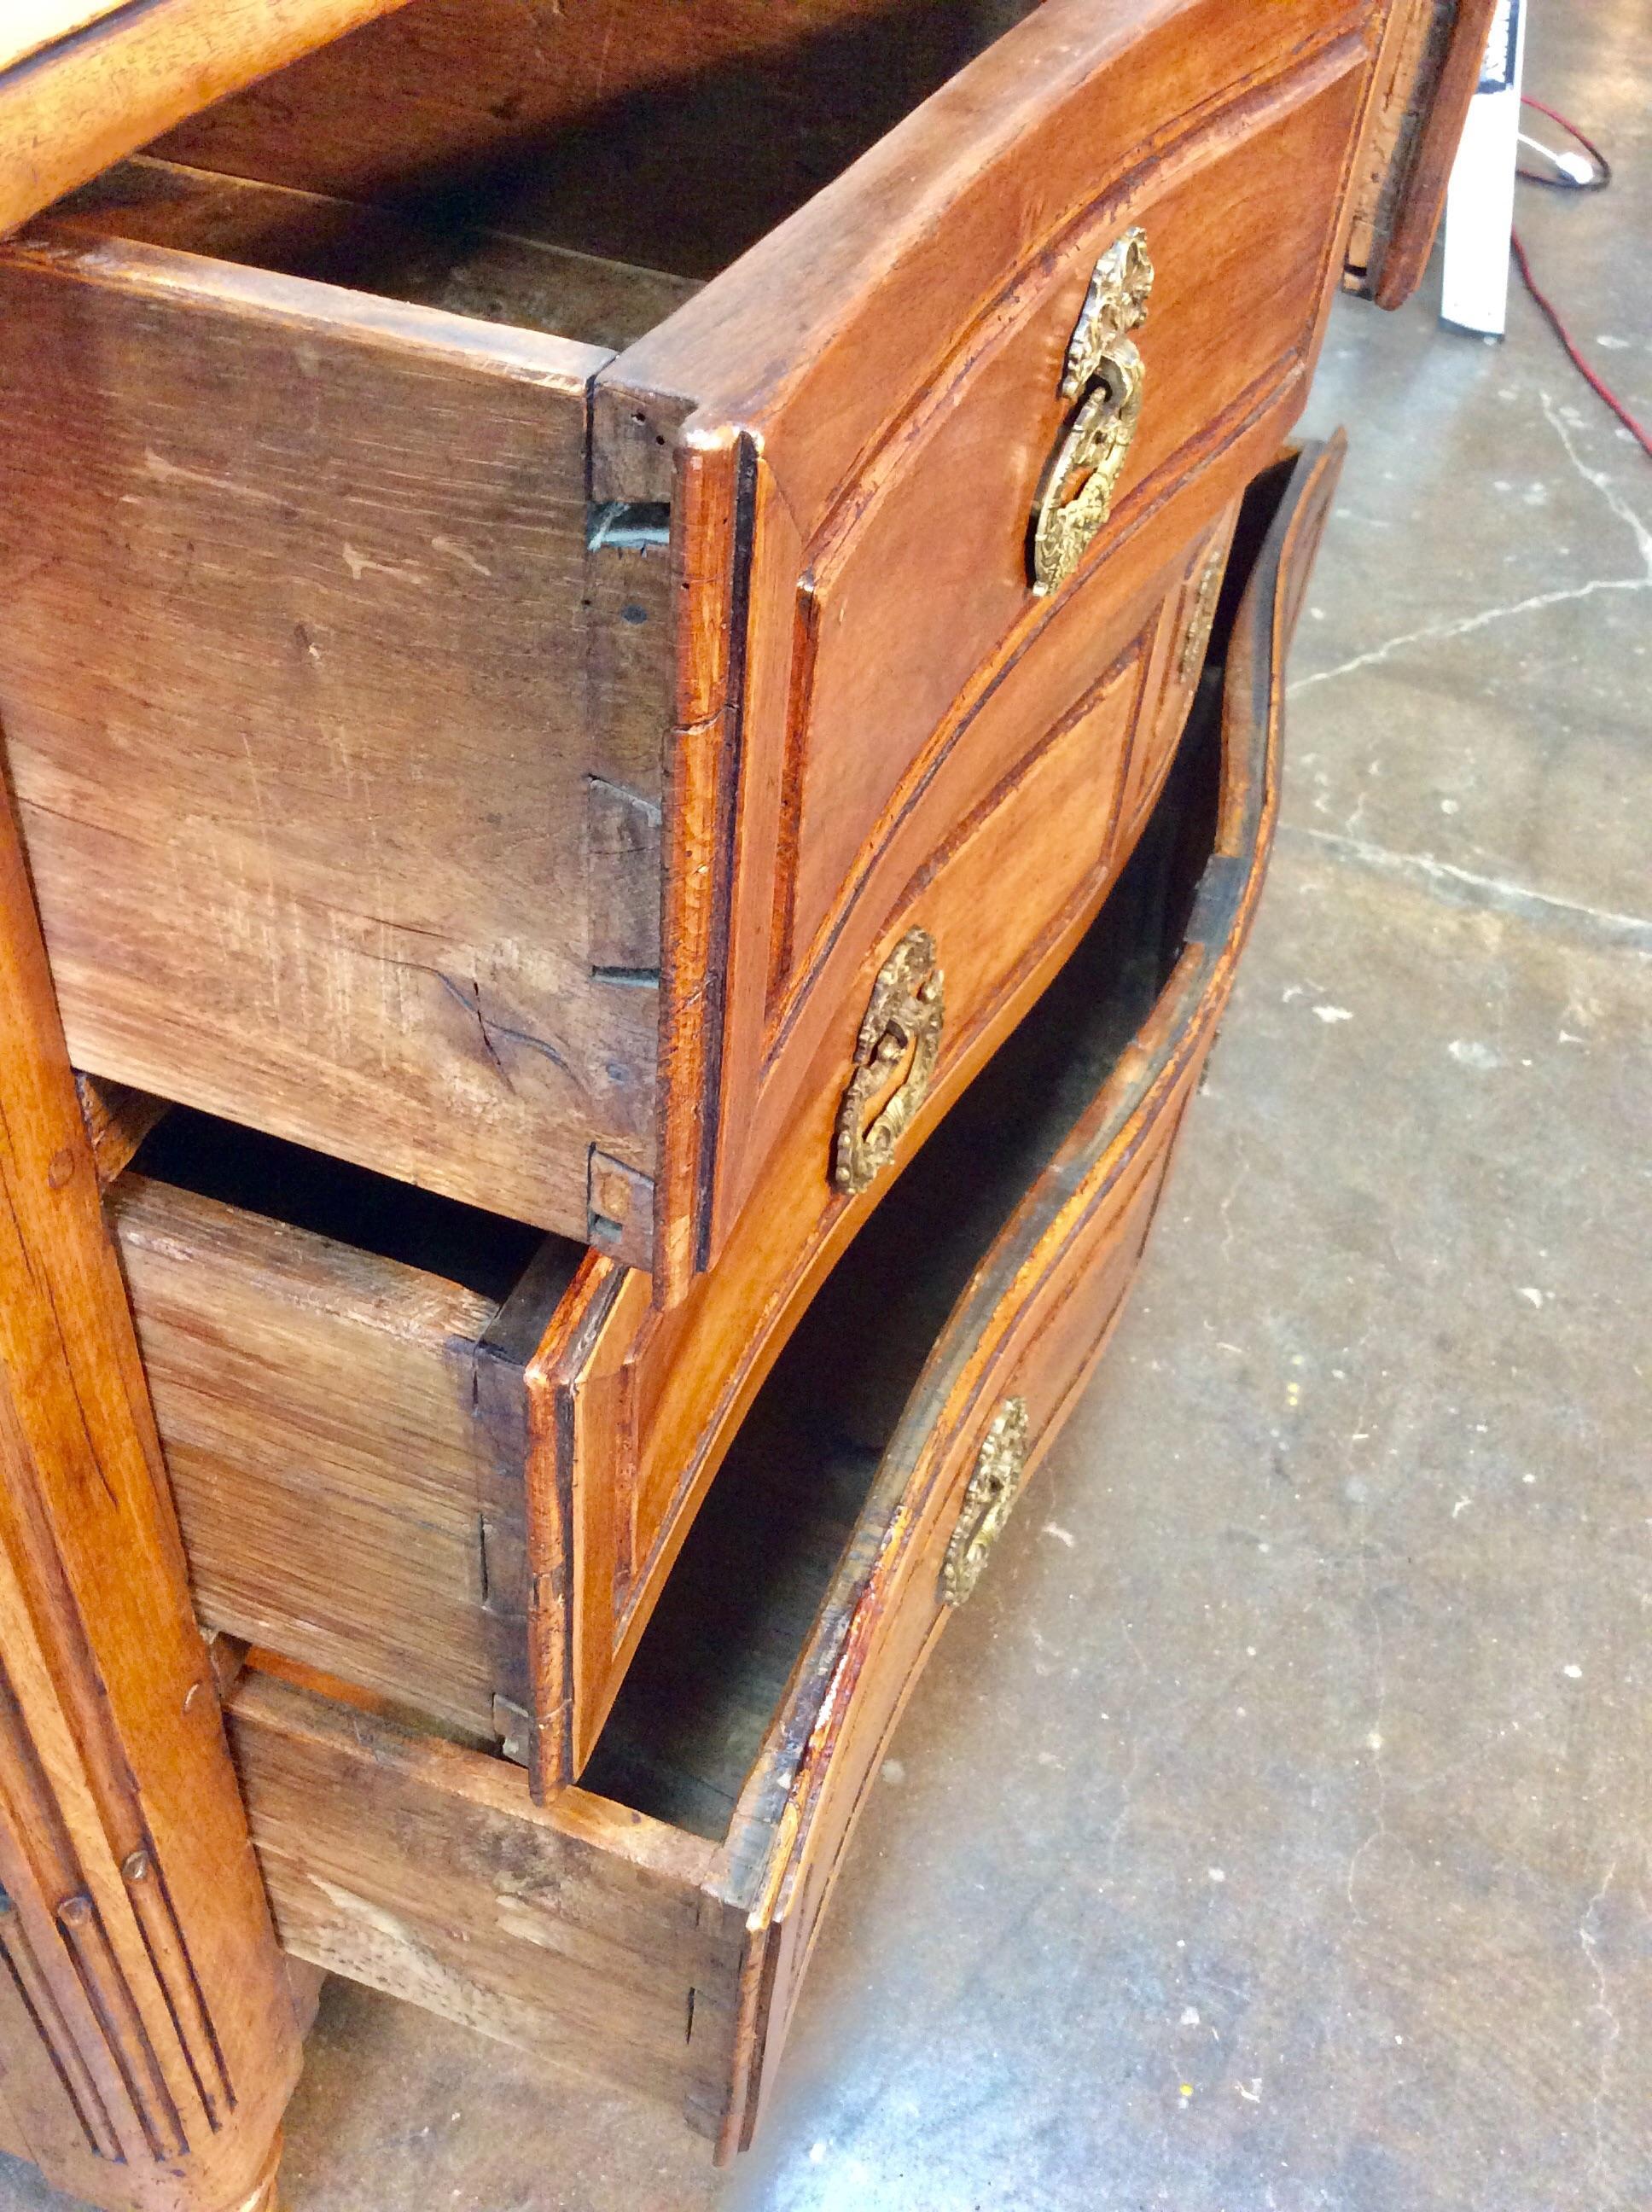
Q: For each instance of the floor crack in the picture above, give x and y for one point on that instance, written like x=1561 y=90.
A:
x=1465 y=625
x=1464 y=887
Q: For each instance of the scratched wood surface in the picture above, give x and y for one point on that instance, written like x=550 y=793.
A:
x=854 y=418
x=1036 y=1312
x=1430 y=68
x=309 y=825
x=573 y=868
x=682 y=1887
x=149 y=2034
x=83 y=82
x=789 y=864
x=671 y=136
x=638 y=1404
x=462 y=266
x=337 y=1364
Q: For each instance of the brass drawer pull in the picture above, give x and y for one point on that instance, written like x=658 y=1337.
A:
x=993 y=1488
x=1106 y=374
x=903 y=1017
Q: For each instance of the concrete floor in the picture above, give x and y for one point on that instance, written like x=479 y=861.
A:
x=1274 y=1830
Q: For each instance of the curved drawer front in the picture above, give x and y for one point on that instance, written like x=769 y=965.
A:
x=981 y=391
x=497 y=747
x=651 y=1927
x=639 y=1403
x=1017 y=1348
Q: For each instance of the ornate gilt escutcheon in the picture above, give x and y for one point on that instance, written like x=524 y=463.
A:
x=902 y=1023
x=1197 y=635
x=993 y=1488
x=1105 y=373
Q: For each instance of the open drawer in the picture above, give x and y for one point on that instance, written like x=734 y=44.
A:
x=509 y=584
x=451 y=1459
x=653 y=1926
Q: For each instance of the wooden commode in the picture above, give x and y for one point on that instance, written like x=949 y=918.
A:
x=642 y=691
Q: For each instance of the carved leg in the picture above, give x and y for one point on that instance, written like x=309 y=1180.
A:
x=148 y=2035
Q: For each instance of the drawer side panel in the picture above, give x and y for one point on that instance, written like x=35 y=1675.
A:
x=314 y=1405
x=425 y=1871
x=293 y=691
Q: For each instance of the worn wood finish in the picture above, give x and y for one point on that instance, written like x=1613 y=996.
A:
x=656 y=1934
x=852 y=422
x=592 y=847
x=147 y=2036
x=464 y=267
x=83 y=82
x=670 y=135
x=1031 y=1325
x=118 y=1119
x=1021 y=814
x=343 y=1421
x=1431 y=66
x=308 y=828
x=373 y=1482
x=426 y=1870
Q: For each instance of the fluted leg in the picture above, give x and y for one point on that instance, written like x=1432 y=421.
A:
x=147 y=2036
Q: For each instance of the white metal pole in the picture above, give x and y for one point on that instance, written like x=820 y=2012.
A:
x=1480 y=203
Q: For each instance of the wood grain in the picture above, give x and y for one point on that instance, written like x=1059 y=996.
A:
x=629 y=1947
x=1429 y=67
x=464 y=268
x=893 y=352
x=1443 y=106
x=150 y=2035
x=83 y=82
x=1032 y=1324
x=308 y=830
x=638 y=1412
x=606 y=1022
x=118 y=1119
x=315 y=1406
x=670 y=135
x=427 y=1871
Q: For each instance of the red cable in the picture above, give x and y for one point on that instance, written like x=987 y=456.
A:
x=1595 y=383
x=1566 y=124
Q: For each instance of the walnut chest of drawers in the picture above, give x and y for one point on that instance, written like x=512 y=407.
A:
x=641 y=686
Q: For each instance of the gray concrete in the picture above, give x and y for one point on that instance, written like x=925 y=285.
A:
x=1272 y=1831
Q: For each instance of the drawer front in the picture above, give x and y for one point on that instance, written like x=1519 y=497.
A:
x=1018 y=1347
x=595 y=1931
x=869 y=411
x=637 y=1404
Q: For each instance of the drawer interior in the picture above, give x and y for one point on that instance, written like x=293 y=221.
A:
x=589 y=207
x=348 y=1205
x=715 y=1660
x=639 y=130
